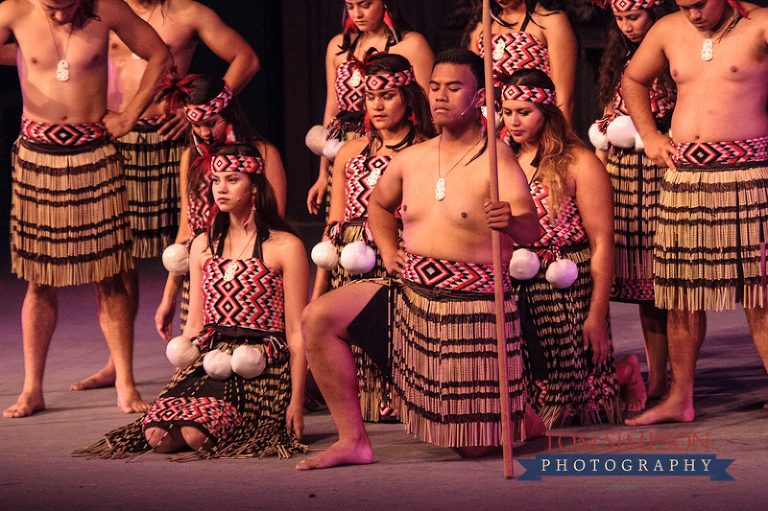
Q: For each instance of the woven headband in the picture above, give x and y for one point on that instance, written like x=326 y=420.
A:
x=200 y=113
x=628 y=5
x=389 y=81
x=235 y=163
x=531 y=94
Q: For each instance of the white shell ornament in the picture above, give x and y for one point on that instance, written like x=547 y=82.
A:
x=176 y=259
x=524 y=264
x=621 y=132
x=325 y=255
x=218 y=364
x=562 y=273
x=358 y=257
x=316 y=138
x=598 y=139
x=331 y=148
x=248 y=362
x=181 y=352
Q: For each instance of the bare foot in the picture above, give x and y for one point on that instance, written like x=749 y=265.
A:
x=656 y=390
x=104 y=378
x=633 y=394
x=666 y=411
x=340 y=454
x=130 y=401
x=534 y=427
x=26 y=405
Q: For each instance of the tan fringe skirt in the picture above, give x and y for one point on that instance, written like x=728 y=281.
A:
x=636 y=187
x=260 y=401
x=373 y=384
x=68 y=220
x=569 y=388
x=710 y=236
x=445 y=367
x=152 y=183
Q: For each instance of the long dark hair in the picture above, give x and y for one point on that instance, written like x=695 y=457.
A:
x=557 y=140
x=400 y=25
x=619 y=50
x=266 y=215
x=414 y=98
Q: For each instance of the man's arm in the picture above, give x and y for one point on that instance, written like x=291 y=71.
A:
x=142 y=40
x=646 y=65
x=515 y=214
x=228 y=45
x=385 y=198
x=8 y=54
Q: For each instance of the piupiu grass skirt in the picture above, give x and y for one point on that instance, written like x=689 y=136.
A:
x=564 y=385
x=712 y=222
x=152 y=183
x=636 y=187
x=445 y=366
x=68 y=213
x=244 y=418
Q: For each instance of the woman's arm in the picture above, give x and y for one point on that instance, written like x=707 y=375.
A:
x=416 y=49
x=198 y=254
x=594 y=195
x=563 y=47
x=275 y=174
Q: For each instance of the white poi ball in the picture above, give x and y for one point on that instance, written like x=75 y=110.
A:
x=248 y=361
x=598 y=139
x=331 y=148
x=325 y=255
x=562 y=273
x=621 y=132
x=176 y=259
x=358 y=257
x=181 y=352
x=218 y=364
x=524 y=264
x=316 y=138
x=639 y=144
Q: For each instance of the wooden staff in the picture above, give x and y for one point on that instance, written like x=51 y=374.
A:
x=507 y=431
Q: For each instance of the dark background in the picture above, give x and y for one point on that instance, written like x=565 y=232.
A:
x=287 y=96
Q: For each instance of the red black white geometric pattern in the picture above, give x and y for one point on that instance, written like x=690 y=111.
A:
x=451 y=275
x=389 y=81
x=661 y=101
x=200 y=113
x=530 y=94
x=253 y=299
x=566 y=229
x=363 y=172
x=516 y=50
x=350 y=85
x=62 y=134
x=217 y=417
x=705 y=153
x=629 y=5
x=236 y=163
x=198 y=210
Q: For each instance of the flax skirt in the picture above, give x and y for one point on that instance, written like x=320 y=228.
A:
x=711 y=228
x=68 y=219
x=152 y=182
x=445 y=366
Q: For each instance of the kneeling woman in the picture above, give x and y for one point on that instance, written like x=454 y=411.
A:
x=568 y=341
x=249 y=279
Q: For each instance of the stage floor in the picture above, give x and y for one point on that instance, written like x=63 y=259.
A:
x=38 y=471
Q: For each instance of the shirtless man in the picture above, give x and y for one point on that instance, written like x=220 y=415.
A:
x=707 y=257
x=68 y=224
x=153 y=148
x=447 y=217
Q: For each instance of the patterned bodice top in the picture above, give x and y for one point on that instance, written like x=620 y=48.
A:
x=516 y=50
x=198 y=210
x=661 y=102
x=567 y=229
x=350 y=86
x=363 y=172
x=253 y=299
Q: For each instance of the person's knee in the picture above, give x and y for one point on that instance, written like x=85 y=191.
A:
x=41 y=291
x=315 y=322
x=195 y=439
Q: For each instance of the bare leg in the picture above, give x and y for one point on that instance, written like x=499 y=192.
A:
x=38 y=321
x=165 y=440
x=630 y=380
x=685 y=331
x=324 y=325
x=758 y=325
x=105 y=377
x=116 y=315
x=654 y=324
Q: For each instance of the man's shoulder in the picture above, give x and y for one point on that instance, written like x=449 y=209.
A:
x=188 y=12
